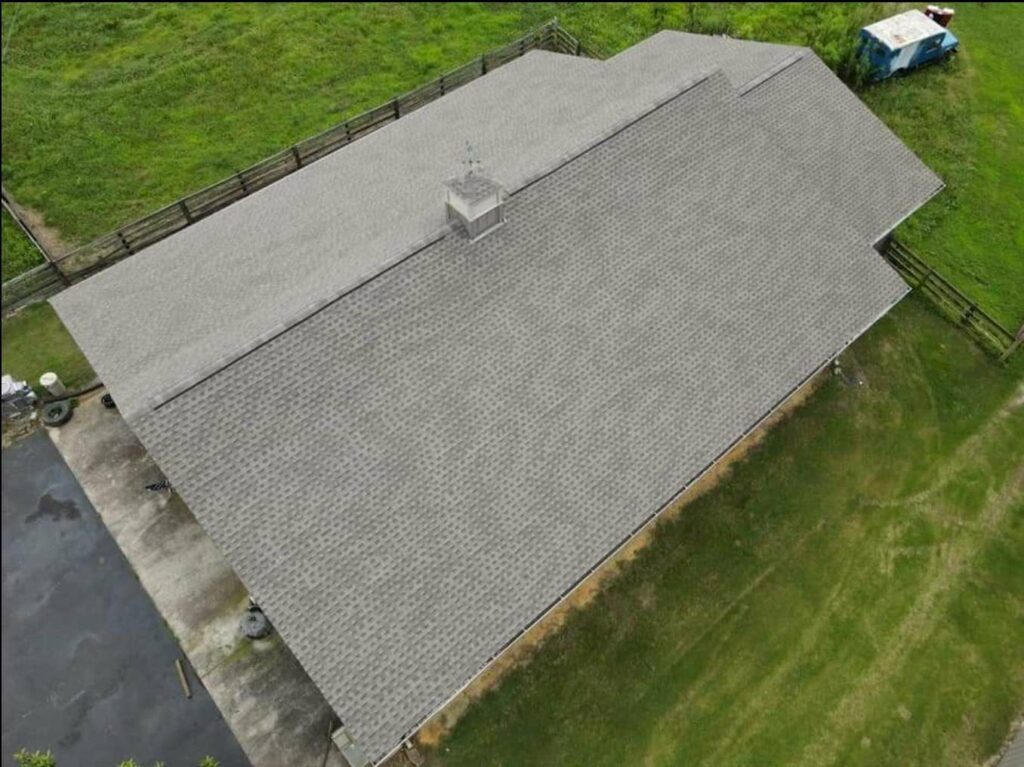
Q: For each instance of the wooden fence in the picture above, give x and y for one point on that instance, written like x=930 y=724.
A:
x=950 y=300
x=37 y=283
x=133 y=237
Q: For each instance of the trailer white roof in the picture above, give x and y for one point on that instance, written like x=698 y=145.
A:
x=903 y=29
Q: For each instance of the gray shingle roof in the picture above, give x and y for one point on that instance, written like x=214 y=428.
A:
x=263 y=263
x=669 y=52
x=410 y=475
x=842 y=148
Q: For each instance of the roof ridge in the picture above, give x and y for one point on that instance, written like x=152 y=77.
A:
x=768 y=74
x=583 y=147
x=162 y=397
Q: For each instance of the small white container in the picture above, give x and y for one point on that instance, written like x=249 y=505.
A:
x=52 y=384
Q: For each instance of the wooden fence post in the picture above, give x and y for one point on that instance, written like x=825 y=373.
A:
x=55 y=266
x=1013 y=346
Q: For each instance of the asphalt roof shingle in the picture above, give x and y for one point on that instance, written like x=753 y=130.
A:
x=265 y=262
x=843 y=149
x=486 y=421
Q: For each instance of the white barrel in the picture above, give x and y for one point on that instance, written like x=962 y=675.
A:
x=52 y=384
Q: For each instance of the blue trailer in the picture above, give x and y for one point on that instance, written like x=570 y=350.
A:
x=904 y=42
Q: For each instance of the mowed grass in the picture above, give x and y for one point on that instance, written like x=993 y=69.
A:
x=111 y=111
x=852 y=594
x=35 y=342
x=19 y=255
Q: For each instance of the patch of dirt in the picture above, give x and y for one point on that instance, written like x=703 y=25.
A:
x=16 y=429
x=433 y=731
x=1018 y=399
x=48 y=236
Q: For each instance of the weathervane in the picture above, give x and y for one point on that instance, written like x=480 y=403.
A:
x=471 y=162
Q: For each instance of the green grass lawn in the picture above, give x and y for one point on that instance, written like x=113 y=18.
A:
x=19 y=255
x=111 y=111
x=852 y=594
x=35 y=342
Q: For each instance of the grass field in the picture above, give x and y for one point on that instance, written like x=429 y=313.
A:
x=19 y=254
x=852 y=594
x=965 y=120
x=110 y=111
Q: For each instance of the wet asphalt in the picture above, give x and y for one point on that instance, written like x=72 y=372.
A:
x=88 y=664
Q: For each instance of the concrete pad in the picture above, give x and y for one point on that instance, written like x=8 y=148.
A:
x=274 y=709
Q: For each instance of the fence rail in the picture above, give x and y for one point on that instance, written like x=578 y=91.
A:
x=39 y=282
x=136 y=235
x=949 y=299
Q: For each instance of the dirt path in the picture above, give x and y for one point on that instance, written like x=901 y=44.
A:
x=49 y=237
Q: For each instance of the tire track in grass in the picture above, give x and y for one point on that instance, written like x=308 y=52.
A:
x=670 y=723
x=946 y=568
x=773 y=685
x=848 y=718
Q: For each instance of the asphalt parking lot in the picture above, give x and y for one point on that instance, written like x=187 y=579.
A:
x=88 y=663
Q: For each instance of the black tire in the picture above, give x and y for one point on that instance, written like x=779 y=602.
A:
x=56 y=413
x=108 y=402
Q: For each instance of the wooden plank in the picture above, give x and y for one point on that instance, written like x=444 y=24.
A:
x=38 y=282
x=182 y=679
x=1014 y=345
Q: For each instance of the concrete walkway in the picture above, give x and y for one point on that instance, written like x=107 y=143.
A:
x=1014 y=754
x=276 y=713
x=88 y=666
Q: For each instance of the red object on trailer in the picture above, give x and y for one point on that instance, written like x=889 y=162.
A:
x=941 y=16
